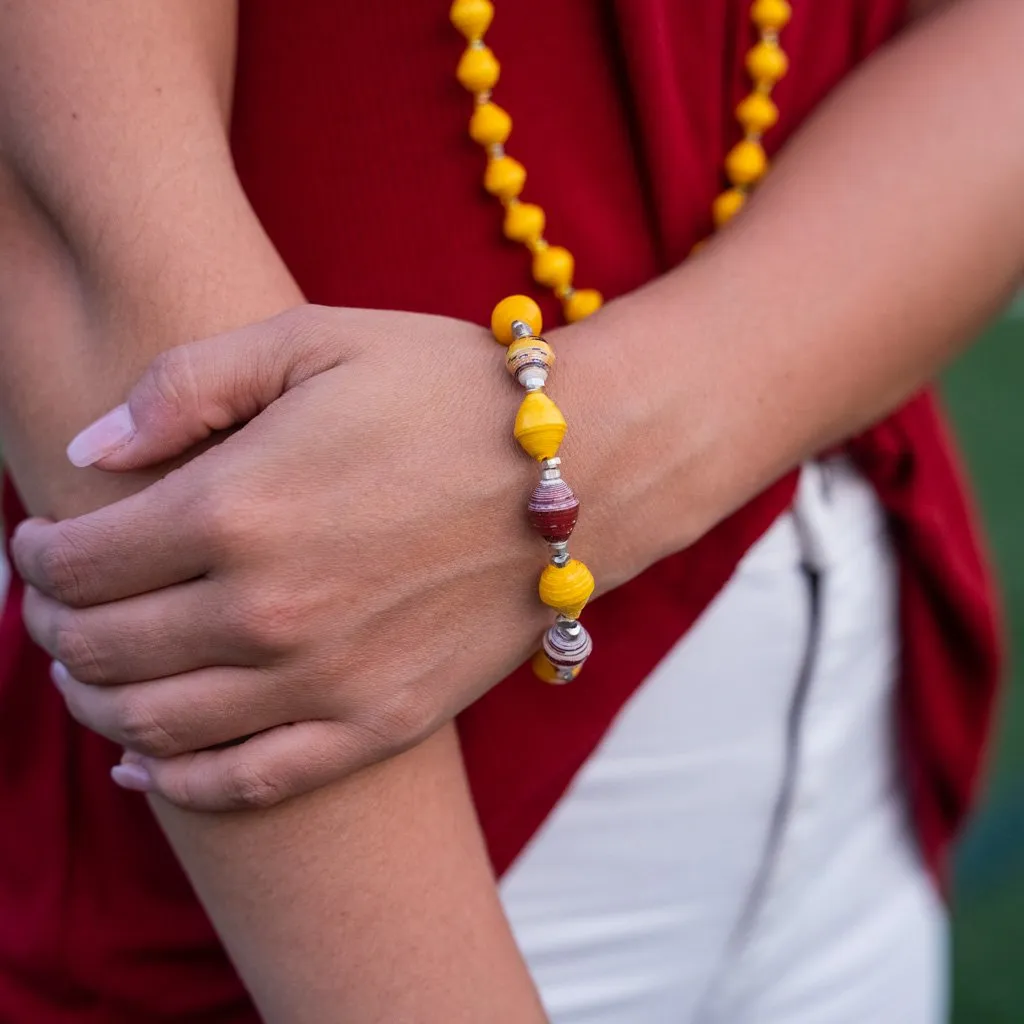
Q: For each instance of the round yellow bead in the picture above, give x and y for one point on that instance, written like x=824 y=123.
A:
x=581 y=304
x=540 y=426
x=489 y=125
x=757 y=113
x=515 y=307
x=770 y=15
x=504 y=177
x=553 y=266
x=472 y=17
x=746 y=162
x=548 y=673
x=727 y=205
x=697 y=246
x=766 y=63
x=478 y=69
x=566 y=588
x=524 y=222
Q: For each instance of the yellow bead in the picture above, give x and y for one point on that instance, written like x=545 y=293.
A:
x=478 y=69
x=757 y=113
x=524 y=222
x=770 y=14
x=504 y=177
x=746 y=162
x=515 y=307
x=540 y=426
x=727 y=205
x=566 y=588
x=529 y=352
x=697 y=246
x=582 y=303
x=553 y=266
x=489 y=125
x=472 y=17
x=766 y=63
x=548 y=673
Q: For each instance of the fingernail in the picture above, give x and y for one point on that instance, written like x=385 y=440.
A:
x=133 y=777
x=130 y=757
x=110 y=432
x=60 y=675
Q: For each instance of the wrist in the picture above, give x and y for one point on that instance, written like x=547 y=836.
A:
x=648 y=443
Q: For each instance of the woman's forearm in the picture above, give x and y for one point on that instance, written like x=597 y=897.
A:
x=889 y=231
x=123 y=233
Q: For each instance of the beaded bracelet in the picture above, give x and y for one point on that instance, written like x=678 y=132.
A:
x=566 y=584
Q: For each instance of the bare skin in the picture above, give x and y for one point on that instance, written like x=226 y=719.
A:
x=922 y=134
x=372 y=899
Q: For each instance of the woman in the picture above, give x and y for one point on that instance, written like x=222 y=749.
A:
x=710 y=823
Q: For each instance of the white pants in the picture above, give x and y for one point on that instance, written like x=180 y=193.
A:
x=737 y=850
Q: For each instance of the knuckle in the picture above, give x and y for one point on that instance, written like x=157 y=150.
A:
x=173 y=381
x=269 y=621
x=399 y=722
x=250 y=787
x=75 y=651
x=139 y=729
x=59 y=572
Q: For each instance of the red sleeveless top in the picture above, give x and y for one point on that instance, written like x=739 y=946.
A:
x=350 y=139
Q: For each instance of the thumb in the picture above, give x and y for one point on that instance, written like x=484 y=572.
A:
x=188 y=393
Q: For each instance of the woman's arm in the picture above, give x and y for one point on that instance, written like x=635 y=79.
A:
x=889 y=231
x=123 y=231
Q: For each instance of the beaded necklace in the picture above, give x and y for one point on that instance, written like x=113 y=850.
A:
x=566 y=584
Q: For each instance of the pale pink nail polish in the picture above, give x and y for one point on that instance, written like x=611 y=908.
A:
x=59 y=674
x=132 y=776
x=110 y=432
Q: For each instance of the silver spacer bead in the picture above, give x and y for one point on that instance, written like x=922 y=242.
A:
x=559 y=553
x=521 y=330
x=549 y=476
x=535 y=383
x=495 y=150
x=552 y=463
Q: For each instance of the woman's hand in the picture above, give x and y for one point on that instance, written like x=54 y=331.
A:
x=334 y=581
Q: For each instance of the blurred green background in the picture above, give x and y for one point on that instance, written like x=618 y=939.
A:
x=983 y=394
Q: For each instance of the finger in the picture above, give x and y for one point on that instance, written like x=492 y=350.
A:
x=162 y=633
x=189 y=392
x=172 y=716
x=160 y=536
x=260 y=772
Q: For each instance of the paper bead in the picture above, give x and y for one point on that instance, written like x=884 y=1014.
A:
x=566 y=588
x=553 y=510
x=540 y=426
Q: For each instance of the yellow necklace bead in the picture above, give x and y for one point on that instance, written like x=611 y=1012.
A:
x=472 y=17
x=504 y=177
x=582 y=303
x=540 y=426
x=726 y=205
x=770 y=15
x=746 y=162
x=478 y=69
x=766 y=63
x=566 y=588
x=757 y=113
x=524 y=222
x=490 y=125
x=553 y=266
x=515 y=307
x=548 y=673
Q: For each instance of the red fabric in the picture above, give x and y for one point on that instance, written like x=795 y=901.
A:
x=350 y=140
